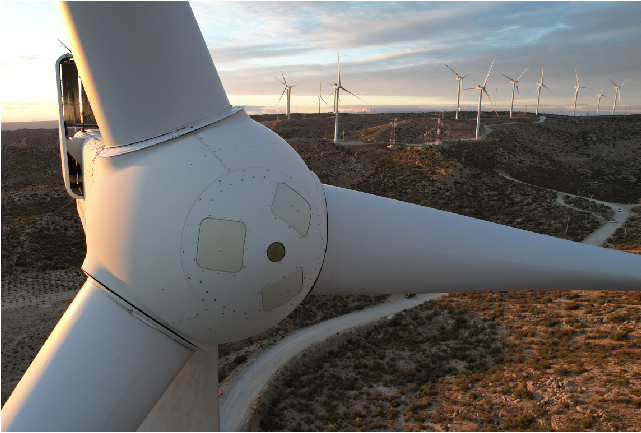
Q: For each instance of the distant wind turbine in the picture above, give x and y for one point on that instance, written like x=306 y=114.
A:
x=320 y=97
x=337 y=87
x=617 y=93
x=481 y=91
x=576 y=92
x=460 y=87
x=287 y=89
x=538 y=89
x=598 y=101
x=515 y=85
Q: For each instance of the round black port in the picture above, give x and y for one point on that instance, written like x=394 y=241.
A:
x=276 y=252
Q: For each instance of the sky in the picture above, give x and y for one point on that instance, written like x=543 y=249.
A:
x=393 y=54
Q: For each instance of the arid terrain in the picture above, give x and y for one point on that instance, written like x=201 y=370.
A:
x=461 y=359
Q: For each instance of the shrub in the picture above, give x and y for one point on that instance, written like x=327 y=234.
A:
x=523 y=393
x=616 y=318
x=240 y=359
x=572 y=306
x=518 y=422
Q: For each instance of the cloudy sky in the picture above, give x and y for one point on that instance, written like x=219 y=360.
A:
x=392 y=53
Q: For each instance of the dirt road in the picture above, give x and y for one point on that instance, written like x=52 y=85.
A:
x=599 y=236
x=236 y=402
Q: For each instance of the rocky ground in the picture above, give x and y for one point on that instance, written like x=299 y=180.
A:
x=510 y=361
x=43 y=242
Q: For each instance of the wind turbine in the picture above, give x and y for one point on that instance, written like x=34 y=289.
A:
x=576 y=91
x=482 y=90
x=598 y=100
x=515 y=85
x=538 y=91
x=460 y=87
x=250 y=232
x=320 y=97
x=617 y=94
x=287 y=89
x=337 y=87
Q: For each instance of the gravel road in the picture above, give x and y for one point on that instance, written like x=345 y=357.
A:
x=236 y=402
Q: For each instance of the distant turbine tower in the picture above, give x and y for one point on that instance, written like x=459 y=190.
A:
x=617 y=93
x=598 y=101
x=538 y=89
x=287 y=89
x=320 y=98
x=337 y=87
x=576 y=92
x=515 y=85
x=481 y=91
x=460 y=87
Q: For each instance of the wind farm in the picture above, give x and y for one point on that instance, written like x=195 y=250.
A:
x=327 y=269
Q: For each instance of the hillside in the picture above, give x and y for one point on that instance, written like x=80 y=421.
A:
x=43 y=242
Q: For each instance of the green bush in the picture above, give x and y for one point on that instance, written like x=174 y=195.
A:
x=572 y=306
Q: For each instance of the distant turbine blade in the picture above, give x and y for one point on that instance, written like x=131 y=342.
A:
x=351 y=93
x=522 y=74
x=517 y=91
x=508 y=77
x=452 y=70
x=577 y=77
x=488 y=97
x=546 y=87
x=278 y=79
x=488 y=72
x=297 y=83
x=467 y=74
x=281 y=95
x=614 y=83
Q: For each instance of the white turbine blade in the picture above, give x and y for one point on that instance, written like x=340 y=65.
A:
x=281 y=95
x=467 y=74
x=284 y=80
x=615 y=84
x=278 y=79
x=522 y=74
x=488 y=97
x=378 y=245
x=102 y=369
x=121 y=123
x=339 y=69
x=577 y=77
x=517 y=91
x=351 y=93
x=297 y=83
x=507 y=77
x=546 y=88
x=452 y=71
x=624 y=82
x=488 y=72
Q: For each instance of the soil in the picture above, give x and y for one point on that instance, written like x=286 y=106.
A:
x=511 y=361
x=43 y=242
